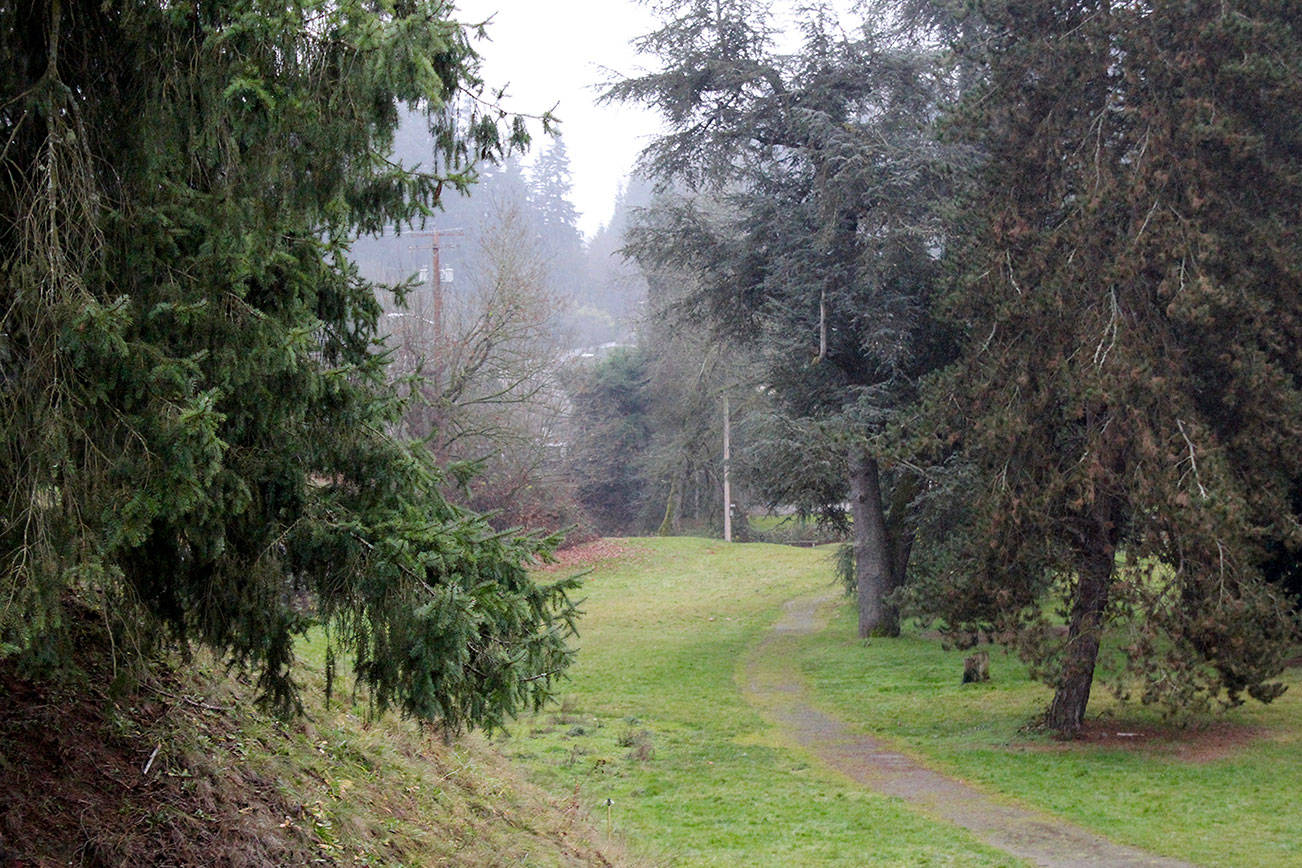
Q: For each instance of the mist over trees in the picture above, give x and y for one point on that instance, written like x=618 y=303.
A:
x=483 y=379
x=596 y=293
x=810 y=217
x=503 y=333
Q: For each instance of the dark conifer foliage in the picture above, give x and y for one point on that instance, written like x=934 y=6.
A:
x=551 y=186
x=609 y=439
x=555 y=219
x=1130 y=392
x=195 y=420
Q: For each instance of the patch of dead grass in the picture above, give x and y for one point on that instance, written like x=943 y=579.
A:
x=591 y=554
x=1202 y=742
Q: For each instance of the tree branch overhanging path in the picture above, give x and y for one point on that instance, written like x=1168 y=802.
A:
x=773 y=685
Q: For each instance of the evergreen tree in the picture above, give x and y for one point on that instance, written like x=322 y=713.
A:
x=609 y=438
x=550 y=190
x=817 y=244
x=1129 y=396
x=195 y=420
x=552 y=184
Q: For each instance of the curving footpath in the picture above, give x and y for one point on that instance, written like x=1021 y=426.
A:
x=772 y=684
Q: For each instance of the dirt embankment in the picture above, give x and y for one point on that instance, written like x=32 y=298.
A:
x=183 y=770
x=88 y=781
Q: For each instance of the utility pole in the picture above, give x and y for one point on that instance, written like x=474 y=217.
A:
x=436 y=277
x=727 y=481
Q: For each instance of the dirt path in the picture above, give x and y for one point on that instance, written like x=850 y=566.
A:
x=772 y=684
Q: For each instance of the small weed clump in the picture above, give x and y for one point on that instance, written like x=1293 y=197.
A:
x=567 y=713
x=640 y=744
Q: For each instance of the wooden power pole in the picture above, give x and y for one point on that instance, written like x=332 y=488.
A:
x=436 y=277
x=727 y=480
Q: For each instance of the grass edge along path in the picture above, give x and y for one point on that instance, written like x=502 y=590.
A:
x=772 y=684
x=1213 y=788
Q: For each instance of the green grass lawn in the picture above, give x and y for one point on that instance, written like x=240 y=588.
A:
x=1223 y=791
x=796 y=526
x=654 y=721
x=787 y=529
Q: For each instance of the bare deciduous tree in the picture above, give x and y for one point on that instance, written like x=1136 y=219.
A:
x=489 y=356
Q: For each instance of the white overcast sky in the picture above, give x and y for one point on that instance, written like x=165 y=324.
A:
x=557 y=53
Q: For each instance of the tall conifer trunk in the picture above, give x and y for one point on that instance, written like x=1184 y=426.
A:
x=1066 y=712
x=900 y=527
x=872 y=550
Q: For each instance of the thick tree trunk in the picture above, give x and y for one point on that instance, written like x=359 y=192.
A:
x=899 y=529
x=872 y=550
x=1067 y=710
x=671 y=517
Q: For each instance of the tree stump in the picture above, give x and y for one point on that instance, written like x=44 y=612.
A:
x=976 y=667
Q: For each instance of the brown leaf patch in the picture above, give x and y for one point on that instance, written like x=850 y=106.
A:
x=590 y=554
x=1201 y=743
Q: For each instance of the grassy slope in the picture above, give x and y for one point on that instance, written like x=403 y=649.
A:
x=229 y=786
x=654 y=721
x=1223 y=792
